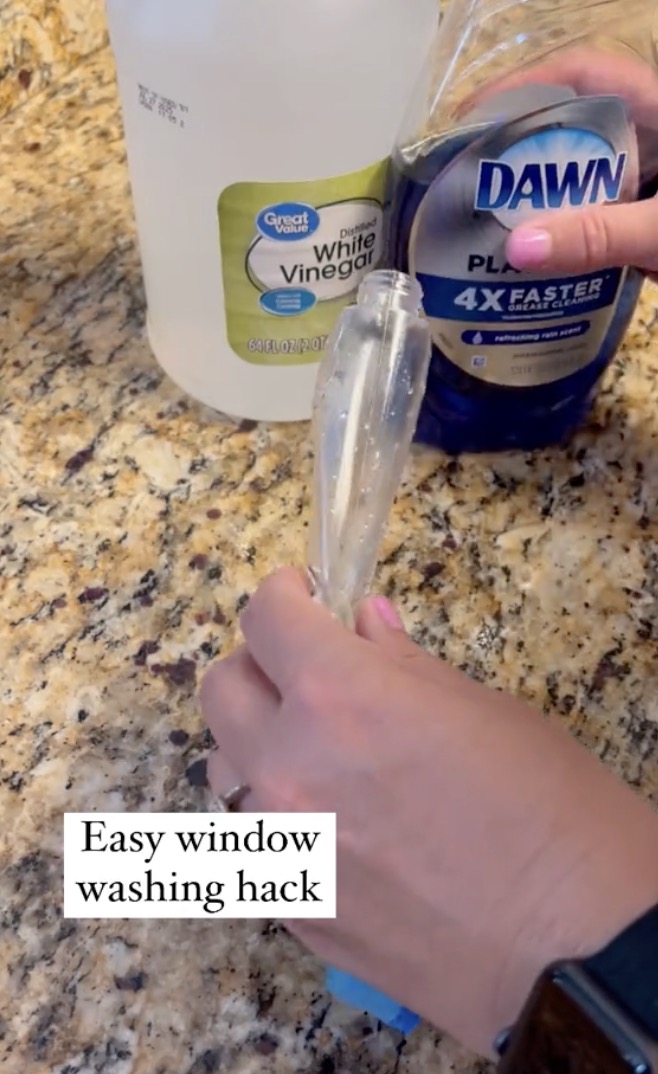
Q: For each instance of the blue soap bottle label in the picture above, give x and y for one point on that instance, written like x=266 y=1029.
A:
x=516 y=356
x=488 y=320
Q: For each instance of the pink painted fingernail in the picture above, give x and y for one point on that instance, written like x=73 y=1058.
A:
x=387 y=613
x=529 y=247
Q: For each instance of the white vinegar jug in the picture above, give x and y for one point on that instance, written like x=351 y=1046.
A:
x=258 y=137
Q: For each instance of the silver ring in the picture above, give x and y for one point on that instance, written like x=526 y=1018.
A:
x=230 y=803
x=312 y=577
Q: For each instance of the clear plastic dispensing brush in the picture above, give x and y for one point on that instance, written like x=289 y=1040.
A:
x=370 y=387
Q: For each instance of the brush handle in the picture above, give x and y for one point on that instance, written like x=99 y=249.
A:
x=369 y=390
x=361 y=996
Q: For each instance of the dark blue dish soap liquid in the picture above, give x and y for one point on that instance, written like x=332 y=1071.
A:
x=517 y=357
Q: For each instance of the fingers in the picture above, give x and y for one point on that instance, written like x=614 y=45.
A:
x=288 y=633
x=584 y=240
x=239 y=705
x=223 y=778
x=378 y=622
x=590 y=72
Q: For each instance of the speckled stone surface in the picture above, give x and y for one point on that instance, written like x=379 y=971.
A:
x=134 y=524
x=41 y=40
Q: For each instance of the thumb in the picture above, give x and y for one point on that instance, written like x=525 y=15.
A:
x=379 y=622
x=584 y=240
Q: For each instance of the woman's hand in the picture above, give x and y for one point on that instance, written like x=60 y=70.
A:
x=476 y=841
x=586 y=240
x=603 y=236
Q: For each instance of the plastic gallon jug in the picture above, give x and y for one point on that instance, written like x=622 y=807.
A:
x=535 y=106
x=258 y=138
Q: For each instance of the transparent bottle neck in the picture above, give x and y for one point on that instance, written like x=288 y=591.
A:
x=386 y=289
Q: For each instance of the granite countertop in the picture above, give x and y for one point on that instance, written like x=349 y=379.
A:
x=42 y=39
x=134 y=525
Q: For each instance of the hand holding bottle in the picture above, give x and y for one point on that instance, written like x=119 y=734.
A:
x=476 y=841
x=602 y=236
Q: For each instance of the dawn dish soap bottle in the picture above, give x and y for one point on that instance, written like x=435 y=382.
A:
x=521 y=112
x=259 y=136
